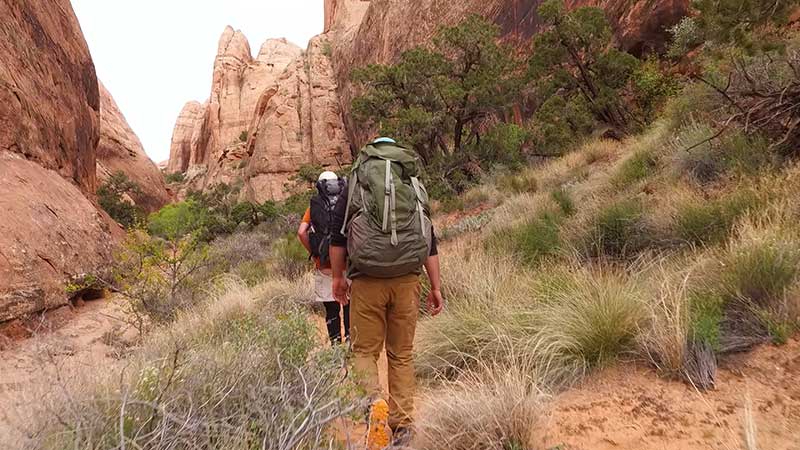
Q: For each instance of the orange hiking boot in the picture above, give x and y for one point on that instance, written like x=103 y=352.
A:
x=378 y=425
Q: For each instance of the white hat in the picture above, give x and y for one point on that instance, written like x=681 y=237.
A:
x=327 y=175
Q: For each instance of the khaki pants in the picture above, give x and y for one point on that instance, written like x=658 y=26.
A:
x=385 y=311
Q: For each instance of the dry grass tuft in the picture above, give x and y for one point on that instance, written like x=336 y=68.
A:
x=493 y=409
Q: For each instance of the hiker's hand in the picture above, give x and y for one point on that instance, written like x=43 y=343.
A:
x=435 y=302
x=340 y=290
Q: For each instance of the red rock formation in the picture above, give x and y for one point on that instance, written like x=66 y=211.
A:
x=49 y=130
x=119 y=149
x=297 y=121
x=265 y=117
x=49 y=101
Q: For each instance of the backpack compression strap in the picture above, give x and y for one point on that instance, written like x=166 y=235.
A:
x=387 y=190
x=351 y=190
x=420 y=211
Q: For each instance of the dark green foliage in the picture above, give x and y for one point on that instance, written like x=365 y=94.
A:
x=760 y=274
x=619 y=230
x=536 y=239
x=434 y=99
x=243 y=136
x=111 y=197
x=502 y=145
x=572 y=58
x=639 y=166
x=741 y=22
x=296 y=203
x=176 y=177
x=564 y=201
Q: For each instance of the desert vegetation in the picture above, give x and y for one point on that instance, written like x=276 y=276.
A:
x=644 y=215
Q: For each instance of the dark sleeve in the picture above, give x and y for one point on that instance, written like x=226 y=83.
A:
x=337 y=238
x=434 y=249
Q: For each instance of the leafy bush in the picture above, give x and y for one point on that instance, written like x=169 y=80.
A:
x=502 y=145
x=686 y=35
x=243 y=136
x=114 y=197
x=160 y=277
x=178 y=219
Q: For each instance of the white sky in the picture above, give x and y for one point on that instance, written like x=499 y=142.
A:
x=155 y=55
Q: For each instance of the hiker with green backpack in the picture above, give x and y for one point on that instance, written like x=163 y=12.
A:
x=385 y=237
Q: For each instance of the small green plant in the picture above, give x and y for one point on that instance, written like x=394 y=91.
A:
x=243 y=136
x=564 y=201
x=291 y=258
x=175 y=177
x=252 y=272
x=636 y=168
x=705 y=319
x=521 y=183
x=532 y=241
x=618 y=230
x=326 y=49
x=710 y=222
x=177 y=220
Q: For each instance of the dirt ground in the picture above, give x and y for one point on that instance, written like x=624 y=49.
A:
x=629 y=407
x=76 y=338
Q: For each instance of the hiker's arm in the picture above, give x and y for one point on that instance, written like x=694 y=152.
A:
x=338 y=257
x=302 y=235
x=435 y=300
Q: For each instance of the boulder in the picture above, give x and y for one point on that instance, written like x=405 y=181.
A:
x=120 y=149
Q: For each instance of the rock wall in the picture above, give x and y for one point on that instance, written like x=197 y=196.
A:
x=49 y=100
x=297 y=121
x=389 y=27
x=120 y=149
x=265 y=117
x=49 y=129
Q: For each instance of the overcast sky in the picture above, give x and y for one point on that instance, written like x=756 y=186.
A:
x=155 y=55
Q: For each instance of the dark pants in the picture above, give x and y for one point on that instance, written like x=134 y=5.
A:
x=334 y=322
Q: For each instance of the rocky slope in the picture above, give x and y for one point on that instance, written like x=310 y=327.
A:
x=50 y=126
x=265 y=117
x=120 y=149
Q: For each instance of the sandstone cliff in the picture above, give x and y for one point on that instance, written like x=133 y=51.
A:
x=49 y=130
x=265 y=117
x=380 y=32
x=119 y=149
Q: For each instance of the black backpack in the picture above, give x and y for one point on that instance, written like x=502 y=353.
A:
x=322 y=206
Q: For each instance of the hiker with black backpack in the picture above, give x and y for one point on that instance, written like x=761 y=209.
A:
x=383 y=237
x=315 y=234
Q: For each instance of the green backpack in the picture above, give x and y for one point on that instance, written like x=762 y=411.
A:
x=387 y=219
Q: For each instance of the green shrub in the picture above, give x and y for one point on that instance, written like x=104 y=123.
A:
x=326 y=49
x=564 y=201
x=502 y=145
x=175 y=177
x=636 y=168
x=532 y=241
x=178 y=219
x=252 y=272
x=243 y=136
x=618 y=230
x=113 y=196
x=760 y=273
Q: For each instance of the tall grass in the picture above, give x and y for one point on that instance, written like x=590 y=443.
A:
x=243 y=372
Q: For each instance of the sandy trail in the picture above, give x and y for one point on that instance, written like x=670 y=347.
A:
x=85 y=339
